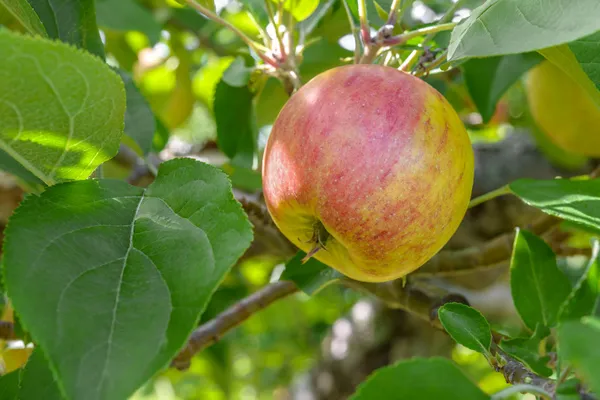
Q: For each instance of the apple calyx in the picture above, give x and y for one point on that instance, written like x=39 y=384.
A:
x=319 y=238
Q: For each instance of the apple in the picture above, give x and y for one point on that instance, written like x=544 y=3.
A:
x=369 y=170
x=563 y=110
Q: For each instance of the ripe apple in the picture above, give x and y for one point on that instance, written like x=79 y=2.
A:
x=369 y=170
x=563 y=110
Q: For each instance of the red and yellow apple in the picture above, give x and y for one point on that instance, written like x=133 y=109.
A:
x=563 y=110
x=371 y=167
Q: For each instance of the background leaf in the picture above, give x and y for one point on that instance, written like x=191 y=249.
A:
x=311 y=276
x=587 y=53
x=19 y=12
x=514 y=26
x=577 y=201
x=140 y=123
x=584 y=299
x=538 y=287
x=577 y=344
x=149 y=258
x=125 y=16
x=466 y=326
x=83 y=105
x=72 y=21
x=237 y=132
x=487 y=79
x=419 y=379
x=60 y=119
x=9 y=385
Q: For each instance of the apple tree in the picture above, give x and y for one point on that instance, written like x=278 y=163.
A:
x=300 y=199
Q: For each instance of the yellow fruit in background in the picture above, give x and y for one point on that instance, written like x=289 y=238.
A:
x=563 y=110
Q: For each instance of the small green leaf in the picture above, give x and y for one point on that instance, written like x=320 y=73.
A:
x=501 y=27
x=310 y=277
x=21 y=13
x=140 y=123
x=584 y=299
x=487 y=79
x=577 y=201
x=419 y=379
x=237 y=131
x=237 y=74
x=243 y=178
x=258 y=10
x=61 y=109
x=37 y=381
x=578 y=344
x=527 y=350
x=564 y=58
x=310 y=23
x=9 y=385
x=538 y=287
x=587 y=52
x=72 y=21
x=300 y=9
x=149 y=259
x=466 y=326
x=125 y=16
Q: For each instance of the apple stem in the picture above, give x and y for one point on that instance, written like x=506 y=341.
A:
x=311 y=253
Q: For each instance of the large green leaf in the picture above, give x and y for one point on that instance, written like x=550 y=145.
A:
x=466 y=326
x=419 y=379
x=72 y=21
x=310 y=276
x=61 y=109
x=110 y=279
x=140 y=123
x=587 y=53
x=489 y=78
x=577 y=201
x=9 y=385
x=19 y=12
x=527 y=350
x=127 y=15
x=578 y=344
x=585 y=296
x=501 y=27
x=237 y=131
x=538 y=287
x=37 y=381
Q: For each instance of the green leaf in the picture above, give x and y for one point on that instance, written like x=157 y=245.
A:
x=310 y=277
x=577 y=201
x=587 y=53
x=128 y=15
x=373 y=16
x=501 y=27
x=37 y=381
x=61 y=109
x=140 y=123
x=466 y=326
x=110 y=279
x=9 y=385
x=27 y=179
x=309 y=24
x=487 y=79
x=565 y=59
x=243 y=178
x=258 y=10
x=237 y=74
x=419 y=379
x=538 y=287
x=578 y=343
x=72 y=21
x=584 y=299
x=300 y=9
x=21 y=13
x=237 y=132
x=527 y=350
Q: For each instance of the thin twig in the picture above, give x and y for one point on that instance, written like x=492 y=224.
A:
x=355 y=32
x=406 y=36
x=251 y=43
x=276 y=27
x=210 y=332
x=489 y=196
x=365 y=30
x=394 y=12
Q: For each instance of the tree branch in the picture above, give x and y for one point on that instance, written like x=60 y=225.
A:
x=210 y=332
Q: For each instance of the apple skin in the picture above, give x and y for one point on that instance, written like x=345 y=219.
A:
x=380 y=159
x=563 y=110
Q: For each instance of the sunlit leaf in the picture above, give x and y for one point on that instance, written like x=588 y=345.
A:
x=466 y=326
x=20 y=13
x=61 y=109
x=117 y=276
x=501 y=27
